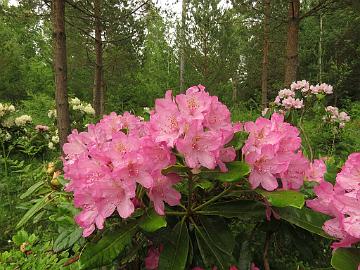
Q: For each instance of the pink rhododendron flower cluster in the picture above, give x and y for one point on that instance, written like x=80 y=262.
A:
x=273 y=152
x=342 y=202
x=107 y=162
x=197 y=125
x=334 y=116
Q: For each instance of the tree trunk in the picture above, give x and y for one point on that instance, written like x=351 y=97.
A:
x=98 y=91
x=234 y=89
x=292 y=44
x=60 y=70
x=320 y=49
x=182 y=46
x=265 y=62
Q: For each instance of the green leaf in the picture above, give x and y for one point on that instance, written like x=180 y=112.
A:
x=20 y=237
x=31 y=189
x=239 y=208
x=152 y=221
x=205 y=184
x=175 y=252
x=40 y=204
x=236 y=171
x=331 y=171
x=346 y=259
x=283 y=198
x=175 y=169
x=215 y=242
x=108 y=248
x=66 y=239
x=305 y=218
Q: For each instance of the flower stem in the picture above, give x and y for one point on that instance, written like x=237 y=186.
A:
x=211 y=200
x=190 y=190
x=5 y=158
x=176 y=213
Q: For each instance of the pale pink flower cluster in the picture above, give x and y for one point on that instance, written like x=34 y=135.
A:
x=273 y=152
x=287 y=100
x=303 y=86
x=342 y=202
x=321 y=89
x=41 y=128
x=197 y=125
x=334 y=116
x=106 y=162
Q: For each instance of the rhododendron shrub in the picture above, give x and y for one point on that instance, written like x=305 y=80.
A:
x=165 y=190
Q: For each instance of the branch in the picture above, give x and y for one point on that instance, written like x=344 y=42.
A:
x=319 y=7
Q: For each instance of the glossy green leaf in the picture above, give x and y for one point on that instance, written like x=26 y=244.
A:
x=236 y=171
x=67 y=238
x=175 y=169
x=108 y=248
x=175 y=252
x=151 y=221
x=283 y=198
x=305 y=218
x=240 y=209
x=346 y=259
x=31 y=189
x=215 y=242
x=40 y=204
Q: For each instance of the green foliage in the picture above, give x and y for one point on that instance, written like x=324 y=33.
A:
x=152 y=221
x=284 y=198
x=346 y=259
x=30 y=253
x=108 y=248
x=175 y=253
x=305 y=218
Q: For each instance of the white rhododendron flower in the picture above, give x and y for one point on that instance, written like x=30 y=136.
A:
x=23 y=120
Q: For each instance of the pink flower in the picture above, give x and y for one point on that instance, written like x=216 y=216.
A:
x=349 y=177
x=166 y=123
x=342 y=202
x=271 y=146
x=152 y=258
x=198 y=147
x=300 y=85
x=254 y=267
x=105 y=164
x=162 y=191
x=293 y=177
x=265 y=168
x=316 y=171
x=41 y=128
x=194 y=103
x=233 y=267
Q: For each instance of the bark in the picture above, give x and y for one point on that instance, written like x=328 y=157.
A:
x=292 y=44
x=182 y=46
x=265 y=62
x=60 y=70
x=98 y=91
